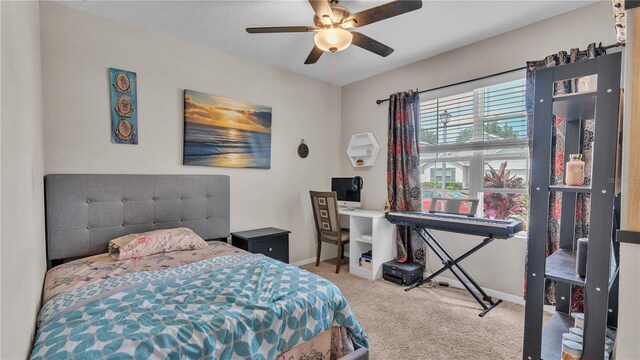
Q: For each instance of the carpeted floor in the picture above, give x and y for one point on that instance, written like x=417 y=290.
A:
x=427 y=323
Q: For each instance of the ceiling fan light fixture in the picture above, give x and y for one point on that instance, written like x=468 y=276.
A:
x=332 y=22
x=333 y=39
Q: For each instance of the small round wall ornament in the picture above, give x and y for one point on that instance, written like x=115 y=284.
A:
x=122 y=83
x=303 y=149
x=124 y=130
x=124 y=107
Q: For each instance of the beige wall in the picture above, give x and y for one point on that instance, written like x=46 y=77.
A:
x=78 y=49
x=500 y=266
x=22 y=235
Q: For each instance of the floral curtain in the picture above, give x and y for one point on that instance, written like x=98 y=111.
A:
x=403 y=169
x=557 y=169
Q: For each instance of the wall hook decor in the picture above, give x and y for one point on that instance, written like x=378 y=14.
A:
x=303 y=149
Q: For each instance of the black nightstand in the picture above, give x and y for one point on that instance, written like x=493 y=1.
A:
x=268 y=241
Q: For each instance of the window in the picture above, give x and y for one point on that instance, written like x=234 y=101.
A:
x=436 y=174
x=478 y=140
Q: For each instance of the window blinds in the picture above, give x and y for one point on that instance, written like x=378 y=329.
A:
x=483 y=118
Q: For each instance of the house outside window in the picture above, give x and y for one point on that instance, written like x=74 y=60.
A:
x=436 y=174
x=478 y=139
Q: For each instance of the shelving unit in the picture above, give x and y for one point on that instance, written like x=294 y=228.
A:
x=382 y=243
x=363 y=150
x=602 y=106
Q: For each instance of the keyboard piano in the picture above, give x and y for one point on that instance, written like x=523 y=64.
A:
x=488 y=228
x=498 y=229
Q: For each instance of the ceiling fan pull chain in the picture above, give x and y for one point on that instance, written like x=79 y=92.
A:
x=333 y=69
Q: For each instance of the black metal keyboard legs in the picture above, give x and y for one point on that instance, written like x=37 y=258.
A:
x=453 y=265
x=489 y=308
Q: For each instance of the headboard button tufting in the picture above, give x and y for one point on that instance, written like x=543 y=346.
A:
x=122 y=199
x=88 y=227
x=88 y=201
x=181 y=197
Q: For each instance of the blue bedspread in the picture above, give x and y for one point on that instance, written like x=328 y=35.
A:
x=245 y=306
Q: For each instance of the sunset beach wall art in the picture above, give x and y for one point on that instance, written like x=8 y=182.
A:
x=226 y=133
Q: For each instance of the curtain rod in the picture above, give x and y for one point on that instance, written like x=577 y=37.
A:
x=380 y=101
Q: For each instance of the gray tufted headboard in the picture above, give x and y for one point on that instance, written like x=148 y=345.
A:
x=84 y=212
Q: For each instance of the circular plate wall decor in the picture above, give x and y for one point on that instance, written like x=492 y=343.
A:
x=303 y=149
x=124 y=107
x=124 y=130
x=122 y=82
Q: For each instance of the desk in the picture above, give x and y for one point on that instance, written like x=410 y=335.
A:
x=382 y=244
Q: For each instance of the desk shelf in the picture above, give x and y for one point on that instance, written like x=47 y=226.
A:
x=366 y=241
x=382 y=243
x=359 y=271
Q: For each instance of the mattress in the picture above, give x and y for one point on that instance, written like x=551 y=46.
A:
x=216 y=303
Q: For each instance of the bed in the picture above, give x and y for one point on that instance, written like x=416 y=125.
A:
x=218 y=302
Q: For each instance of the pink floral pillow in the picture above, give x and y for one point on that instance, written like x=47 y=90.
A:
x=154 y=242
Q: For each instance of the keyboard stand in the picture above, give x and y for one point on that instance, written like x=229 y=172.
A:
x=450 y=263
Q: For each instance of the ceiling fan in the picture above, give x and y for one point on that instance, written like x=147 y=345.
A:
x=332 y=22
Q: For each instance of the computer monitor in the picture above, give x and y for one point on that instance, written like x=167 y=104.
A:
x=347 y=190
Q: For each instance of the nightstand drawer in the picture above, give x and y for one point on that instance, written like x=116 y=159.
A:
x=271 y=242
x=275 y=247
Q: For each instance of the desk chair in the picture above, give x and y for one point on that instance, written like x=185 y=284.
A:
x=327 y=218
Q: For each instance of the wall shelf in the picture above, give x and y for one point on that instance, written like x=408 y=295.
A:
x=363 y=150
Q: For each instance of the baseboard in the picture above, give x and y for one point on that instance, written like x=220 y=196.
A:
x=312 y=260
x=304 y=262
x=493 y=293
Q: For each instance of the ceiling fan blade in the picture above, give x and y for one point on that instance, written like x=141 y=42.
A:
x=280 y=29
x=323 y=10
x=314 y=55
x=385 y=11
x=368 y=43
